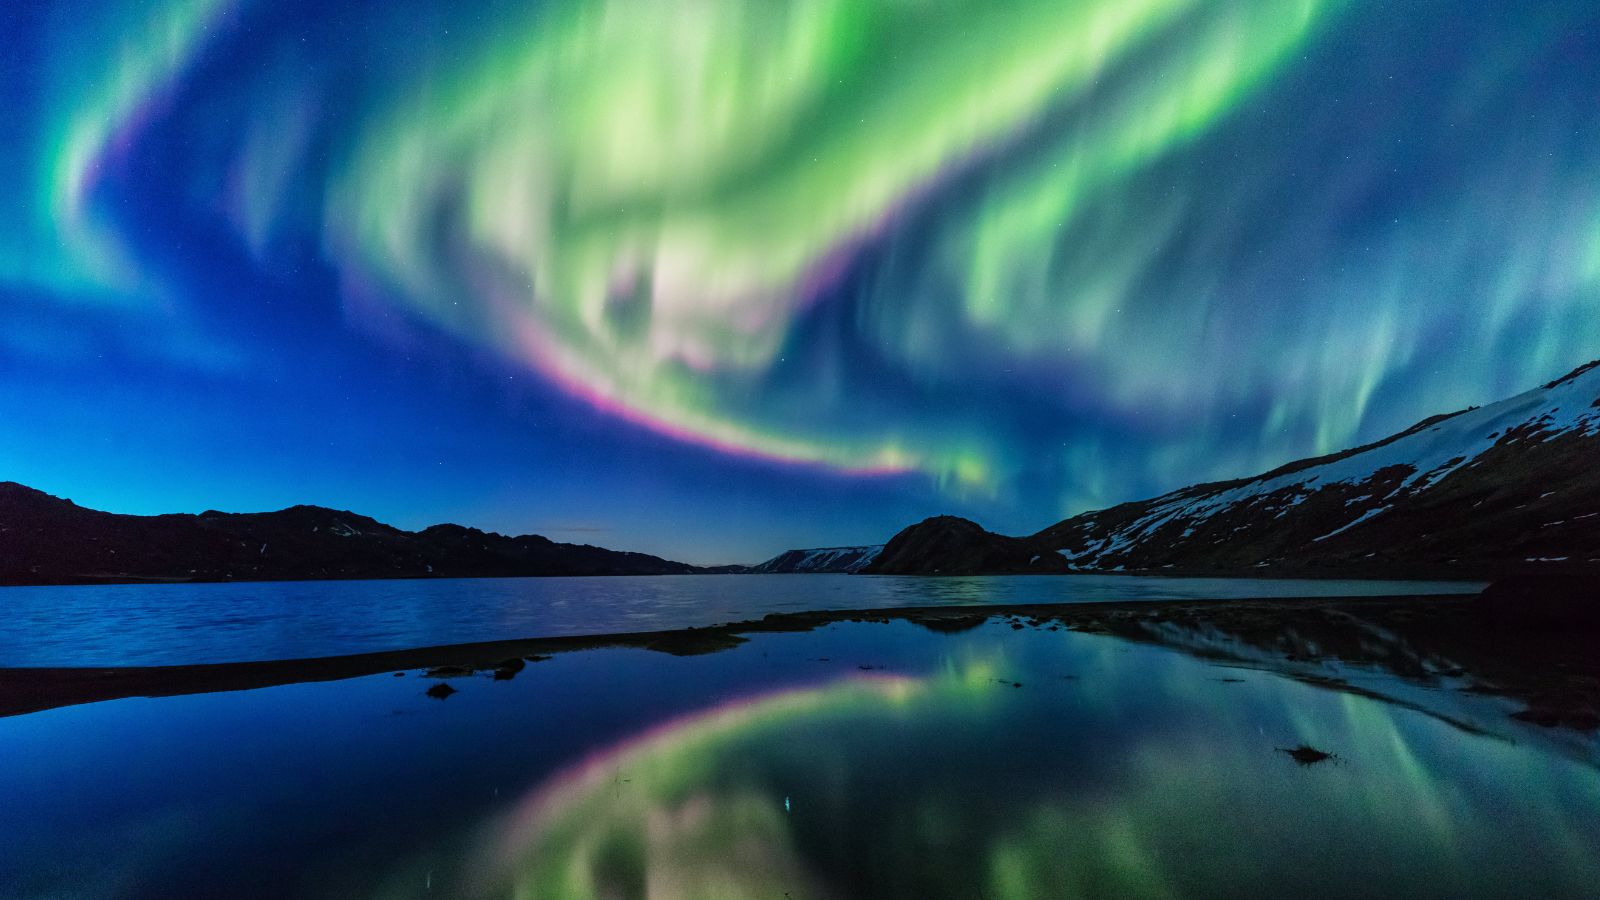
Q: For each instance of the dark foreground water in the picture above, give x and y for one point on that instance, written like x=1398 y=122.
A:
x=861 y=760
x=178 y=624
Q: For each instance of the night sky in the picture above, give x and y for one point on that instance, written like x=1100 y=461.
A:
x=715 y=278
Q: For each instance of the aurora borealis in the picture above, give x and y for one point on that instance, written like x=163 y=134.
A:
x=796 y=272
x=1150 y=781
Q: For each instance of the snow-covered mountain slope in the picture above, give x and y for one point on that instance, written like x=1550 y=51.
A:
x=822 y=559
x=1515 y=483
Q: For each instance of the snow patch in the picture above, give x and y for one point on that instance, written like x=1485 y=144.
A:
x=1359 y=519
x=1427 y=457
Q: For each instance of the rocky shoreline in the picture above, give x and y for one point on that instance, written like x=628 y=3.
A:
x=1457 y=643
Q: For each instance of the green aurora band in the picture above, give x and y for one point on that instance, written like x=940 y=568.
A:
x=650 y=195
x=61 y=240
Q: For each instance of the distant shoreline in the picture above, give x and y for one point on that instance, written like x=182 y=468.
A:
x=32 y=689
x=1464 y=578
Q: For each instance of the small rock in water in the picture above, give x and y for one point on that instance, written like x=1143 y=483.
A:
x=1306 y=755
x=1554 y=716
x=441 y=691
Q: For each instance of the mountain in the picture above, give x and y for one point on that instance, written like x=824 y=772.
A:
x=48 y=540
x=949 y=545
x=847 y=560
x=1513 y=486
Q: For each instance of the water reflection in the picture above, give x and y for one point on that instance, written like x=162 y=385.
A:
x=672 y=815
x=1001 y=776
x=851 y=760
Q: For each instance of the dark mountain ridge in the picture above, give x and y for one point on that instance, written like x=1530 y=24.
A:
x=1509 y=487
x=950 y=545
x=48 y=540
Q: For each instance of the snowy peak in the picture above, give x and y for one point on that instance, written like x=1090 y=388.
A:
x=1509 y=483
x=847 y=560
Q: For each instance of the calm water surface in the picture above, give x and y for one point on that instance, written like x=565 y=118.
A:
x=874 y=761
x=192 y=623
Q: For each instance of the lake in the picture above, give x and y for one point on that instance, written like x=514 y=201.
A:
x=855 y=760
x=176 y=624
